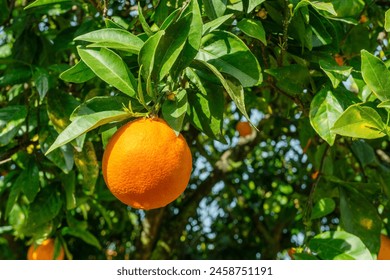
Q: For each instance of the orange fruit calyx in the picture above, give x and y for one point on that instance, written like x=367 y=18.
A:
x=44 y=251
x=146 y=165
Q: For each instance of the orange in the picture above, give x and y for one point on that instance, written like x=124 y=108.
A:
x=384 y=251
x=244 y=128
x=339 y=59
x=146 y=165
x=44 y=251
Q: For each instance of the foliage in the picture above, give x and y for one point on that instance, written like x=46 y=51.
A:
x=311 y=76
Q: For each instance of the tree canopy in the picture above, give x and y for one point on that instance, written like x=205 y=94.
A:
x=311 y=181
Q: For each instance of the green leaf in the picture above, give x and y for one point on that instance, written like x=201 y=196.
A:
x=335 y=73
x=175 y=111
x=69 y=184
x=253 y=28
x=360 y=217
x=147 y=54
x=230 y=55
x=113 y=38
x=384 y=104
x=206 y=106
x=293 y=79
x=41 y=79
x=339 y=245
x=30 y=180
x=83 y=234
x=387 y=20
x=105 y=103
x=214 y=24
x=88 y=165
x=323 y=207
x=44 y=2
x=83 y=124
x=252 y=4
x=109 y=67
x=79 y=73
x=144 y=23
x=232 y=87
x=215 y=9
x=193 y=42
x=11 y=118
x=171 y=45
x=325 y=109
x=45 y=208
x=363 y=152
x=376 y=75
x=317 y=5
x=360 y=121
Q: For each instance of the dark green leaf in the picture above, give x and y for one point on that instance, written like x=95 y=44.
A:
x=69 y=184
x=79 y=73
x=214 y=9
x=230 y=55
x=109 y=67
x=29 y=178
x=143 y=21
x=232 y=87
x=206 y=106
x=293 y=78
x=83 y=234
x=45 y=208
x=376 y=75
x=363 y=152
x=11 y=118
x=41 y=79
x=323 y=207
x=360 y=217
x=318 y=5
x=339 y=245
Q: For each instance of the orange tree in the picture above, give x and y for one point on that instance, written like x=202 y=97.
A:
x=311 y=76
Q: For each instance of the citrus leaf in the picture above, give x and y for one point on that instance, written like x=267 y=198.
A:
x=147 y=54
x=360 y=121
x=230 y=55
x=109 y=67
x=339 y=245
x=233 y=88
x=323 y=207
x=387 y=20
x=376 y=75
x=253 y=28
x=83 y=234
x=144 y=23
x=360 y=217
x=214 y=24
x=11 y=118
x=44 y=2
x=215 y=9
x=113 y=38
x=192 y=44
x=319 y=6
x=175 y=111
x=69 y=184
x=252 y=4
x=82 y=124
x=325 y=109
x=79 y=73
x=206 y=106
x=335 y=73
x=88 y=165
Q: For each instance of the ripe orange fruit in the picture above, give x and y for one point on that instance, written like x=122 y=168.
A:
x=339 y=59
x=384 y=251
x=146 y=165
x=244 y=128
x=44 y=251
